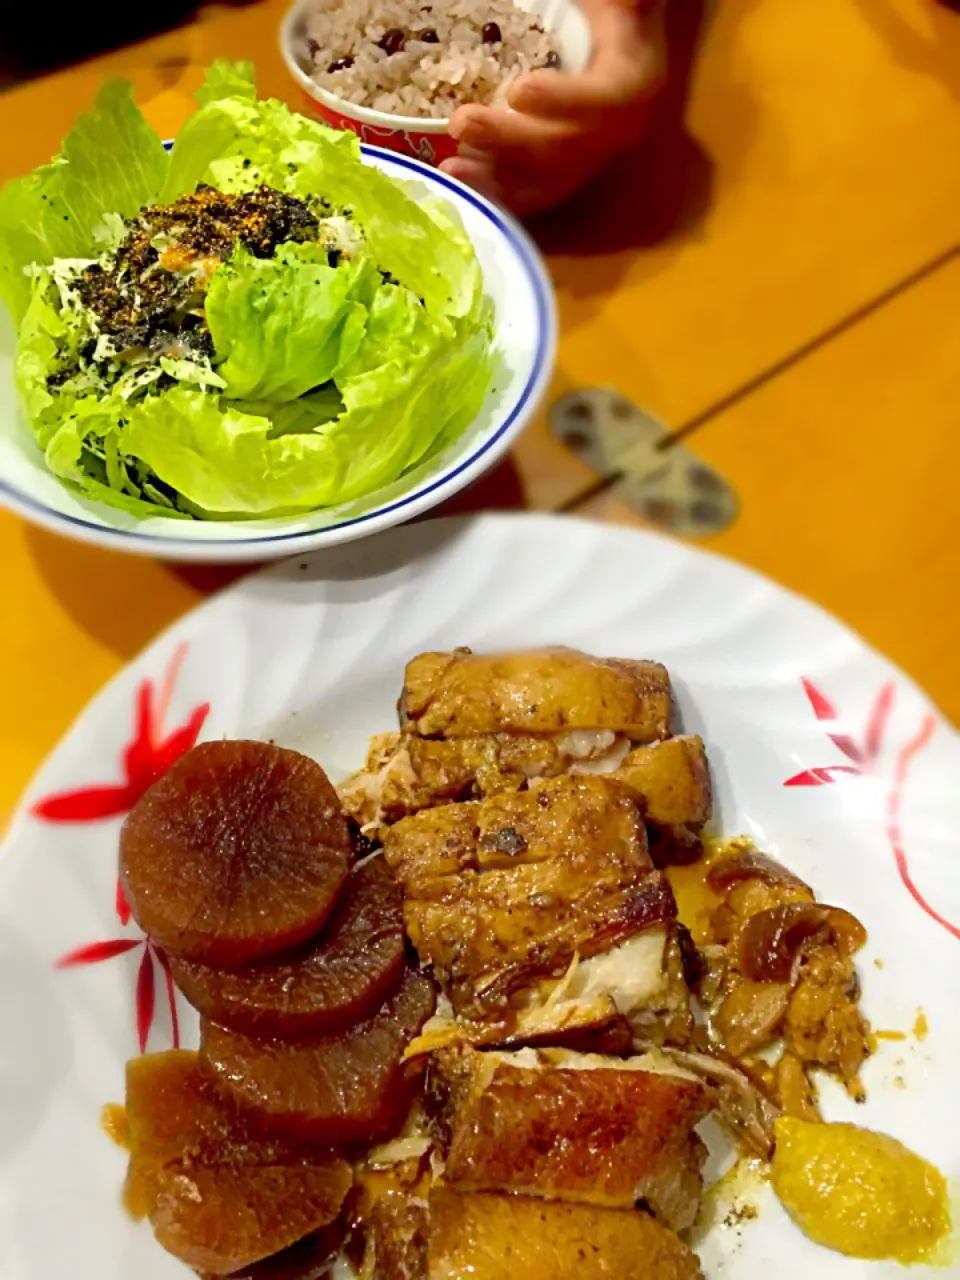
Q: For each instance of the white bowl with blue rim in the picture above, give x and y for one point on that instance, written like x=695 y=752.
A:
x=525 y=342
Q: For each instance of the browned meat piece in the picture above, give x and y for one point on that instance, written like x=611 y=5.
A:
x=751 y=1015
x=397 y=1239
x=579 y=1128
x=501 y=894
x=823 y=1025
x=238 y=852
x=487 y=1236
x=219 y=1198
x=786 y=970
x=673 y=779
x=476 y=726
x=339 y=979
x=551 y=823
x=792 y=1089
x=588 y=1026
x=542 y=691
x=309 y=1259
x=741 y=1103
x=746 y=898
x=347 y=1087
x=404 y=773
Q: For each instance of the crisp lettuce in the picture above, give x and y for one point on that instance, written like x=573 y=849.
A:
x=333 y=375
x=112 y=162
x=286 y=324
x=50 y=336
x=235 y=142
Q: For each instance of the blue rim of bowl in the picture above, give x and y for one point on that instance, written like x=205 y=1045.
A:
x=518 y=240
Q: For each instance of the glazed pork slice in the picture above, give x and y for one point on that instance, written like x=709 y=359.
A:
x=505 y=893
x=635 y=990
x=397 y=1239
x=492 y=1236
x=405 y=772
x=673 y=780
x=543 y=691
x=567 y=1126
x=572 y=821
x=478 y=724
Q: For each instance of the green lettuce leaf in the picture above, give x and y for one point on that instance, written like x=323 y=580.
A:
x=84 y=454
x=50 y=335
x=296 y=416
x=329 y=382
x=111 y=162
x=230 y=463
x=235 y=142
x=285 y=325
x=226 y=79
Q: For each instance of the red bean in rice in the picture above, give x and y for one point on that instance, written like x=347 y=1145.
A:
x=413 y=58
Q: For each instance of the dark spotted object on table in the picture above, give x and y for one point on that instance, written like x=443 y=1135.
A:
x=646 y=468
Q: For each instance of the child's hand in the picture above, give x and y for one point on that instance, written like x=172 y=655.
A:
x=565 y=126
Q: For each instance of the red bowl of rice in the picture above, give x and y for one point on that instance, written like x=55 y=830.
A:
x=394 y=71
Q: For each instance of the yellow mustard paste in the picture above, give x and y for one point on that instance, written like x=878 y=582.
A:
x=859 y=1192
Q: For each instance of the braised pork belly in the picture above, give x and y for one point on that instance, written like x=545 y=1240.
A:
x=475 y=725
x=566 y=1126
x=503 y=896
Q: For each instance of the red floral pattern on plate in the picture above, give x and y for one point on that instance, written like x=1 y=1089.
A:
x=865 y=757
x=146 y=993
x=146 y=758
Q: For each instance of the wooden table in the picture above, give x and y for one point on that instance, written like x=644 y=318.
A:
x=777 y=277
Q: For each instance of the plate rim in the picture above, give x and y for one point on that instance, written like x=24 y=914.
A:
x=413 y=504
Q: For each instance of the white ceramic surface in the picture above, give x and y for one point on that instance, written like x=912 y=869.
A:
x=515 y=278
x=821 y=750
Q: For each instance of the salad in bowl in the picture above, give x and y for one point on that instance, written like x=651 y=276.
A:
x=256 y=323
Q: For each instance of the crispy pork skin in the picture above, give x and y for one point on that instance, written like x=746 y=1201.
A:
x=491 y=1236
x=673 y=780
x=567 y=1126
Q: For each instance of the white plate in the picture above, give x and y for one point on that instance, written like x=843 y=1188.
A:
x=515 y=278
x=311 y=653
